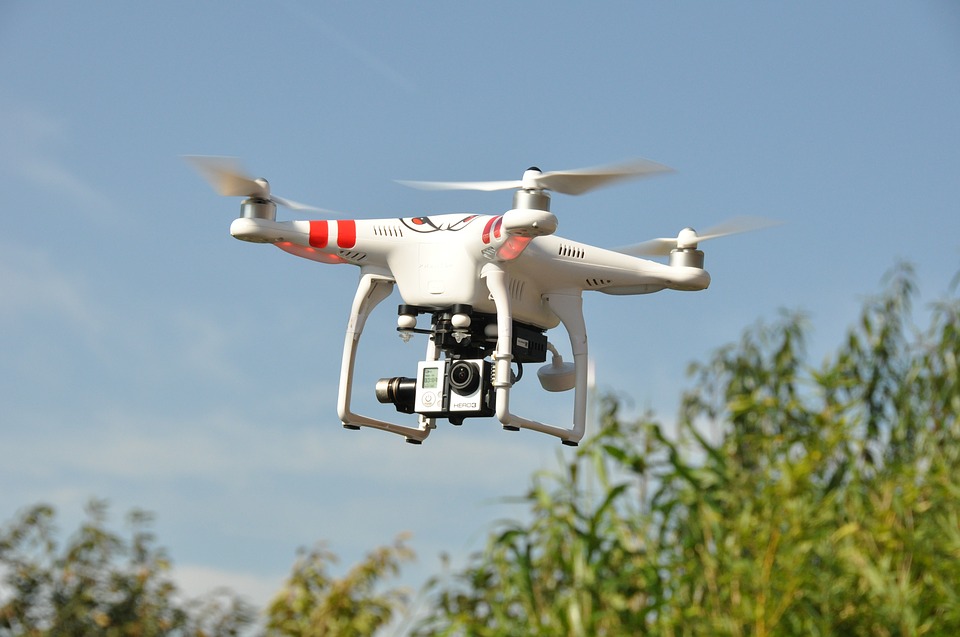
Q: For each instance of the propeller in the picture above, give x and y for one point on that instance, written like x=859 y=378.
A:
x=568 y=182
x=689 y=238
x=229 y=179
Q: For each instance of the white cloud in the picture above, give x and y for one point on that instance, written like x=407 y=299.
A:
x=349 y=45
x=196 y=581
x=125 y=443
x=29 y=147
x=207 y=344
x=30 y=283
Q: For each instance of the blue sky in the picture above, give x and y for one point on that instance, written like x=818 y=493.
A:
x=150 y=359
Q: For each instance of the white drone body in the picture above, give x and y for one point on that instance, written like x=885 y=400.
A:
x=492 y=285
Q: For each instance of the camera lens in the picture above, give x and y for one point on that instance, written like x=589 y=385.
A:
x=398 y=390
x=461 y=374
x=464 y=377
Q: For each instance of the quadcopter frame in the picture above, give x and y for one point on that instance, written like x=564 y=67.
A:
x=494 y=284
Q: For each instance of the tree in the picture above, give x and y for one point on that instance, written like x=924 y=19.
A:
x=793 y=499
x=99 y=583
x=314 y=604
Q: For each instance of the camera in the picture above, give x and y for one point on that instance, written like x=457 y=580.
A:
x=449 y=388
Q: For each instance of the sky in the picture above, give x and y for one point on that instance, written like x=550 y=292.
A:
x=149 y=359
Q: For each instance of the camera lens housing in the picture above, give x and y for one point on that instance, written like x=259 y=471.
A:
x=398 y=390
x=464 y=377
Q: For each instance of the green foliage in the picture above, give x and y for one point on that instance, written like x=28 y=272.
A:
x=314 y=604
x=792 y=500
x=99 y=583
x=789 y=499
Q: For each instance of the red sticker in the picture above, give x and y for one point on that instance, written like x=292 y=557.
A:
x=319 y=234
x=346 y=233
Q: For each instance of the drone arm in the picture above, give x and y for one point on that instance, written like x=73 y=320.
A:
x=569 y=308
x=372 y=290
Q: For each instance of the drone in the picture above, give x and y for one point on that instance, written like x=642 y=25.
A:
x=491 y=285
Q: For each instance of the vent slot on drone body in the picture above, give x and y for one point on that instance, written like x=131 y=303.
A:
x=388 y=231
x=516 y=289
x=354 y=256
x=571 y=252
x=598 y=283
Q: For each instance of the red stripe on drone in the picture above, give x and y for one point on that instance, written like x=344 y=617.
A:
x=486 y=228
x=346 y=233
x=319 y=234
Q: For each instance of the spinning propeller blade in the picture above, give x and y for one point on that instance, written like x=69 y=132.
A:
x=568 y=182
x=689 y=238
x=581 y=180
x=229 y=179
x=485 y=186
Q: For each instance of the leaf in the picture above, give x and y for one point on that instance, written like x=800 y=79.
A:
x=847 y=529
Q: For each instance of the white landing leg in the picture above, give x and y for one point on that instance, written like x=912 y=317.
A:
x=372 y=290
x=569 y=309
